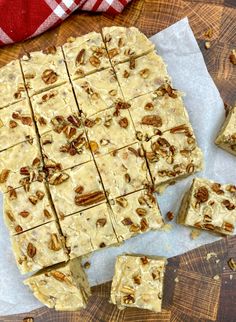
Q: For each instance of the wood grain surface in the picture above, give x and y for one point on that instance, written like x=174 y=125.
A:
x=191 y=294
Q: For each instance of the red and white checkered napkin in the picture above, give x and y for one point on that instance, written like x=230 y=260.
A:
x=22 y=19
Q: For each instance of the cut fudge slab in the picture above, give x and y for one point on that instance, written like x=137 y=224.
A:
x=88 y=230
x=123 y=171
x=121 y=43
x=97 y=92
x=138 y=282
x=110 y=130
x=63 y=287
x=55 y=109
x=135 y=213
x=227 y=137
x=172 y=155
x=24 y=210
x=38 y=248
x=20 y=165
x=16 y=124
x=12 y=87
x=85 y=55
x=44 y=69
x=141 y=75
x=62 y=152
x=159 y=110
x=209 y=205
x=76 y=189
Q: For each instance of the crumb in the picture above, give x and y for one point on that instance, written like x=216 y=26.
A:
x=195 y=233
x=230 y=276
x=216 y=277
x=232 y=264
x=207 y=44
x=87 y=265
x=208 y=33
x=176 y=280
x=210 y=255
x=170 y=215
x=217 y=261
x=232 y=57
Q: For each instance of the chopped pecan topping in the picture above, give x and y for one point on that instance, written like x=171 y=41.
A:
x=228 y=227
x=49 y=76
x=134 y=228
x=94 y=146
x=12 y=193
x=121 y=105
x=79 y=189
x=149 y=107
x=89 y=123
x=101 y=222
x=54 y=243
x=144 y=260
x=40 y=194
x=126 y=74
x=50 y=50
x=80 y=58
x=202 y=194
x=25 y=171
x=124 y=122
x=59 y=276
x=122 y=201
x=74 y=120
x=49 y=95
x=144 y=73
x=129 y=299
x=127 y=178
x=42 y=121
x=12 y=124
x=33 y=199
x=144 y=224
x=231 y=188
x=180 y=129
x=47 y=213
x=190 y=168
x=18 y=229
x=141 y=212
x=95 y=61
x=132 y=62
x=89 y=198
x=137 y=279
x=127 y=221
x=9 y=214
x=26 y=120
x=4 y=175
x=24 y=214
x=216 y=188
x=58 y=178
x=229 y=205
x=167 y=89
x=113 y=52
x=31 y=250
x=154 y=120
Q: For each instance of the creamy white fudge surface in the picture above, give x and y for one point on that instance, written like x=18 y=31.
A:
x=44 y=69
x=16 y=124
x=38 y=248
x=141 y=75
x=135 y=213
x=12 y=88
x=76 y=189
x=138 y=282
x=122 y=43
x=63 y=287
x=209 y=205
x=97 y=92
x=24 y=210
x=85 y=55
x=88 y=230
x=226 y=138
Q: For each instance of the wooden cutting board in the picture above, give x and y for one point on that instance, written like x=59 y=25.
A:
x=191 y=292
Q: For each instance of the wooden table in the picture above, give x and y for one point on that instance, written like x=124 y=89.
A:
x=196 y=296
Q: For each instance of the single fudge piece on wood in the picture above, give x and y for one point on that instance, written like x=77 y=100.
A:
x=63 y=287
x=138 y=282
x=39 y=247
x=209 y=205
x=226 y=139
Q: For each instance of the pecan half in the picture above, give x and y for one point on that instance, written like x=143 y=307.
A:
x=31 y=250
x=80 y=58
x=202 y=194
x=89 y=198
x=154 y=120
x=49 y=76
x=59 y=276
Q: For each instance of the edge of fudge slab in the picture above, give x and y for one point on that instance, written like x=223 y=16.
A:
x=226 y=138
x=209 y=205
x=138 y=282
x=63 y=287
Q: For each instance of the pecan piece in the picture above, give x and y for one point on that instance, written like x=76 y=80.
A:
x=132 y=63
x=89 y=198
x=26 y=120
x=74 y=120
x=24 y=214
x=9 y=214
x=58 y=178
x=49 y=76
x=228 y=227
x=216 y=188
x=33 y=199
x=127 y=221
x=80 y=58
x=124 y=122
x=144 y=260
x=12 y=193
x=149 y=107
x=154 y=120
x=113 y=52
x=144 y=73
x=4 y=175
x=95 y=61
x=170 y=215
x=54 y=243
x=229 y=205
x=47 y=214
x=31 y=250
x=40 y=194
x=141 y=212
x=202 y=194
x=25 y=171
x=122 y=201
x=12 y=124
x=137 y=279
x=50 y=50
x=129 y=299
x=79 y=189
x=18 y=229
x=101 y=222
x=144 y=224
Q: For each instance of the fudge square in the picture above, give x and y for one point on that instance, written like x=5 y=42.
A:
x=24 y=210
x=138 y=282
x=141 y=75
x=16 y=124
x=135 y=213
x=209 y=205
x=89 y=230
x=63 y=287
x=12 y=87
x=227 y=137
x=121 y=43
x=123 y=171
x=85 y=55
x=172 y=155
x=44 y=69
x=76 y=189
x=39 y=247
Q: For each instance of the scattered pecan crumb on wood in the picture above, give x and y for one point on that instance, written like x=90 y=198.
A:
x=207 y=44
x=232 y=57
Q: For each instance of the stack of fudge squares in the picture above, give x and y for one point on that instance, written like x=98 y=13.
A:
x=88 y=132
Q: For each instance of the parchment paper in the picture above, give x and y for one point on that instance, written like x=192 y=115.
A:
x=178 y=47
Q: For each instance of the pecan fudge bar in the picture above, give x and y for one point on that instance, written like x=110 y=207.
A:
x=122 y=42
x=55 y=109
x=20 y=165
x=138 y=282
x=209 y=205
x=123 y=171
x=157 y=111
x=12 y=87
x=172 y=155
x=135 y=213
x=88 y=230
x=226 y=139
x=141 y=75
x=16 y=123
x=24 y=210
x=44 y=69
x=63 y=287
x=39 y=247
x=85 y=55
x=97 y=92
x=110 y=130
x=76 y=189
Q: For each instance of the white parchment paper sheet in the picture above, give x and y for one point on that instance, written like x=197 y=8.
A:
x=178 y=46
